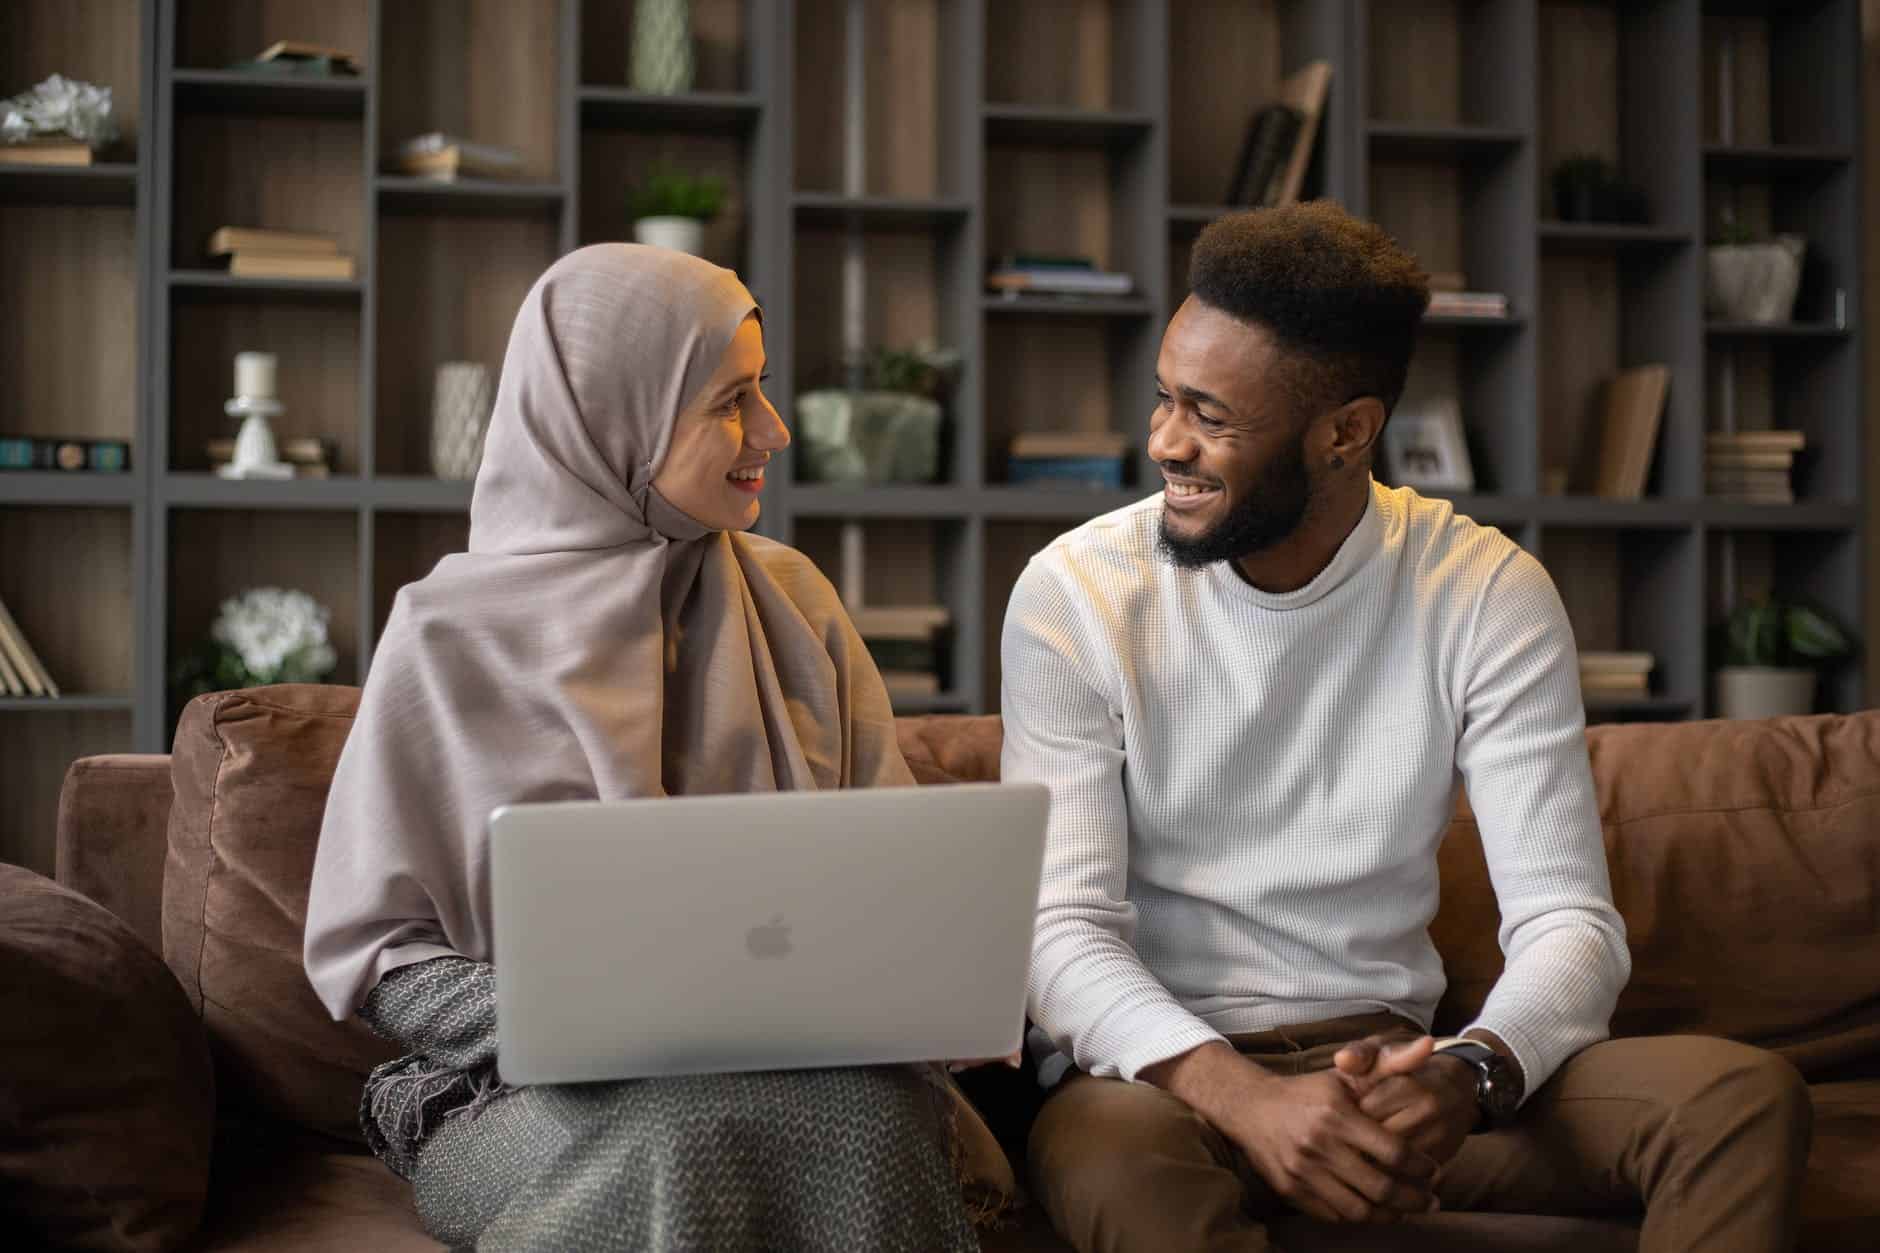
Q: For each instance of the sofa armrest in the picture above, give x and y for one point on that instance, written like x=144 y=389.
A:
x=114 y=821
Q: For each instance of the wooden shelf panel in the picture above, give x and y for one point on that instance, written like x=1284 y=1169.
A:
x=1437 y=141
x=242 y=91
x=107 y=183
x=816 y=500
x=404 y=193
x=1069 y=306
x=1604 y=236
x=1042 y=124
x=58 y=487
x=1773 y=162
x=67 y=703
x=880 y=212
x=711 y=112
x=1776 y=330
x=208 y=491
x=1803 y=515
x=1463 y=322
x=217 y=281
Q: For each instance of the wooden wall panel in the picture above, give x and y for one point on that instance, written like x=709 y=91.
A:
x=40 y=746
x=487 y=71
x=405 y=548
x=210 y=35
x=1225 y=64
x=1416 y=66
x=66 y=576
x=278 y=173
x=1051 y=52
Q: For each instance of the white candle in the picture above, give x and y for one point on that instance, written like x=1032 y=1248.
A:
x=254 y=375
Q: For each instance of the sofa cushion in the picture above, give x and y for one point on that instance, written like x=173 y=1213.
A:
x=1841 y=1195
x=114 y=812
x=1745 y=857
x=251 y=771
x=107 y=1098
x=288 y=1193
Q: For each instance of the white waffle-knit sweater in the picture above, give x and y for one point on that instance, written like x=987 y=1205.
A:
x=1248 y=789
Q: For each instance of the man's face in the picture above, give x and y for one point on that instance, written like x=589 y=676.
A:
x=1231 y=449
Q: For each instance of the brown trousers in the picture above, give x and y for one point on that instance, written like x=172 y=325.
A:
x=1706 y=1137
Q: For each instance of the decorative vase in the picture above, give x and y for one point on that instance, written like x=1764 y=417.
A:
x=461 y=400
x=1755 y=282
x=1764 y=692
x=661 y=58
x=679 y=234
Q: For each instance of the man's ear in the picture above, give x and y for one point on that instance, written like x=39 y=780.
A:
x=1355 y=427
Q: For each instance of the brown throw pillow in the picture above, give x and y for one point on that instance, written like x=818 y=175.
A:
x=107 y=1100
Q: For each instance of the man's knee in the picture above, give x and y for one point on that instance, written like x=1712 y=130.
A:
x=1098 y=1136
x=1743 y=1083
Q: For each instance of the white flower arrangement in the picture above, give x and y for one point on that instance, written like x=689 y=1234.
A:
x=265 y=635
x=60 y=106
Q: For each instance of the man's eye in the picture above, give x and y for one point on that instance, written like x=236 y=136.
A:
x=1209 y=424
x=1163 y=399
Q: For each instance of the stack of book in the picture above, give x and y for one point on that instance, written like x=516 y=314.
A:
x=1614 y=677
x=311 y=458
x=47 y=152
x=32 y=452
x=1027 y=274
x=1277 y=147
x=1752 y=466
x=1091 y=459
x=256 y=253
x=446 y=158
x=904 y=640
x=1468 y=304
x=21 y=672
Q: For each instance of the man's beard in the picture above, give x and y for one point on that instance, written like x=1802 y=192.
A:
x=1270 y=511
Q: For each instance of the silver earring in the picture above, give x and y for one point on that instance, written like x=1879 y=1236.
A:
x=1338 y=462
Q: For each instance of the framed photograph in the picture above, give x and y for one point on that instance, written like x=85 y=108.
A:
x=1425 y=446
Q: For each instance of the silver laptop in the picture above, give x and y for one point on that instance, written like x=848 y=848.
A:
x=696 y=935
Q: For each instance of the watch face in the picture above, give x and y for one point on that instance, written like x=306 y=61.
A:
x=1499 y=1092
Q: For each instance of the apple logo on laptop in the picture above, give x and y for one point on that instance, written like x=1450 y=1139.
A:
x=770 y=940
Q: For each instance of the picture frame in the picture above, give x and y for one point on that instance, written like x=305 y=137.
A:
x=1426 y=447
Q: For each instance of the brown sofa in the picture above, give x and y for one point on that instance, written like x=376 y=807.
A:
x=1745 y=857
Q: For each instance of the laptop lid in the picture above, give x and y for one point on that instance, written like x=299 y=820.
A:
x=775 y=931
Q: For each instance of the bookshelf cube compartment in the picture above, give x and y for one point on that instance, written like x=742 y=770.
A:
x=615 y=162
x=1082 y=55
x=405 y=548
x=911 y=119
x=721 y=37
x=1819 y=203
x=275 y=173
x=1805 y=384
x=1485 y=372
x=1820 y=568
x=66 y=578
x=1076 y=201
x=100 y=44
x=1632 y=590
x=1470 y=219
x=69 y=356
x=1448 y=62
x=1056 y=374
x=486 y=71
x=448 y=289
x=214 y=34
x=1779 y=74
x=1226 y=62
x=315 y=339
x=41 y=745
x=215 y=554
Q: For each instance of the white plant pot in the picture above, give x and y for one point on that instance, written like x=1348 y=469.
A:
x=1754 y=282
x=679 y=234
x=1764 y=692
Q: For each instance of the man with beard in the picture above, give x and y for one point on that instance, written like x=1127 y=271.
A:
x=1252 y=698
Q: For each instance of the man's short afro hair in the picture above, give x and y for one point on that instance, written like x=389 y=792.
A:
x=1336 y=293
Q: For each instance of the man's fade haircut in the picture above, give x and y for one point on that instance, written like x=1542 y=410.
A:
x=1337 y=294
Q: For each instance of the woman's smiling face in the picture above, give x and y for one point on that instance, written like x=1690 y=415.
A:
x=714 y=469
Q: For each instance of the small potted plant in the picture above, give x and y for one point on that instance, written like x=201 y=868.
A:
x=265 y=635
x=670 y=209
x=1588 y=189
x=1747 y=279
x=1773 y=652
x=887 y=432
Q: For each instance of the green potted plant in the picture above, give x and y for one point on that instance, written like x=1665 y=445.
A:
x=888 y=430
x=1773 y=652
x=670 y=209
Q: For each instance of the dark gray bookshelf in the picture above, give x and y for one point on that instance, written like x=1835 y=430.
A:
x=986 y=133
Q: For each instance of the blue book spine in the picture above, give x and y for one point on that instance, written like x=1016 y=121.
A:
x=1102 y=473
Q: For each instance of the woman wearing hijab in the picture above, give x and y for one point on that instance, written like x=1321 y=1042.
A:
x=611 y=633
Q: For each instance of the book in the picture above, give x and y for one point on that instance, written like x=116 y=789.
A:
x=1755 y=441
x=1718 y=459
x=46 y=152
x=1616 y=663
x=1635 y=405
x=1463 y=304
x=232 y=239
x=300 y=50
x=1751 y=480
x=1069 y=444
x=1268 y=143
x=1304 y=91
x=1785 y=497
x=28 y=452
x=290 y=265
x=25 y=660
x=10 y=682
x=444 y=157
x=1097 y=473
x=1060 y=281
x=900 y=622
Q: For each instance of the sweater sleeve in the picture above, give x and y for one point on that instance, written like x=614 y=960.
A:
x=1522 y=755
x=1089 y=991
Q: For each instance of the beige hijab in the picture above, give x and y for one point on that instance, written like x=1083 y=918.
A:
x=593 y=643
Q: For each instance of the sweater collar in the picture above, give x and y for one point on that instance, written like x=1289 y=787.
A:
x=1365 y=539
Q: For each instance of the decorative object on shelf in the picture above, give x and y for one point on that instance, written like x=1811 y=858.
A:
x=29 y=452
x=1467 y=304
x=254 y=402
x=889 y=431
x=661 y=60
x=903 y=640
x=1752 y=466
x=1091 y=459
x=297 y=57
x=312 y=458
x=1588 y=189
x=1607 y=678
x=1635 y=406
x=670 y=209
x=61 y=121
x=1751 y=280
x=21 y=671
x=265 y=635
x=1034 y=274
x=1773 y=653
x=461 y=400
x=1425 y=445
x=256 y=253
x=445 y=158
x=1271 y=168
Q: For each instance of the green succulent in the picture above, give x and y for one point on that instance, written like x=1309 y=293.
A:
x=1792 y=636
x=670 y=193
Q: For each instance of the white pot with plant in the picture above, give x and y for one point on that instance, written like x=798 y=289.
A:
x=1753 y=280
x=670 y=209
x=1773 y=654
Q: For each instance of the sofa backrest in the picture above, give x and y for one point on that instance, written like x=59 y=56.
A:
x=1745 y=858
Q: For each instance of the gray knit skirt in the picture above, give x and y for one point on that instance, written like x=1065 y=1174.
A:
x=810 y=1160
